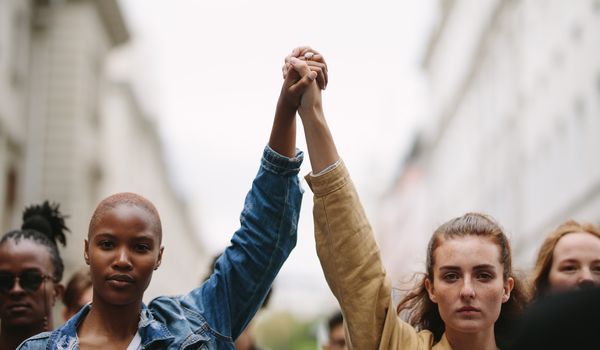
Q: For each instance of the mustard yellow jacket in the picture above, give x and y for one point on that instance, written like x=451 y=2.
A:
x=352 y=265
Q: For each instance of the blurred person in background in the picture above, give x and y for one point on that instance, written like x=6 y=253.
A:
x=559 y=321
x=467 y=299
x=78 y=292
x=336 y=334
x=246 y=340
x=568 y=259
x=30 y=272
x=123 y=249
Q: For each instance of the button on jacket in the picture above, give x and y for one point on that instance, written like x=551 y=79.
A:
x=213 y=315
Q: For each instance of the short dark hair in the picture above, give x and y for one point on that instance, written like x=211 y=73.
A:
x=126 y=198
x=337 y=319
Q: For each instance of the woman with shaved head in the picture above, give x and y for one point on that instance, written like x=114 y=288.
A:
x=123 y=248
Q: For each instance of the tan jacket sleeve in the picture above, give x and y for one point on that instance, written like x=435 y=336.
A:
x=352 y=265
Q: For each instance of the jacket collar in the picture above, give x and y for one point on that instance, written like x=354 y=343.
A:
x=150 y=330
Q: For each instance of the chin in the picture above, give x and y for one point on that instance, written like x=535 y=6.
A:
x=19 y=321
x=121 y=299
x=469 y=326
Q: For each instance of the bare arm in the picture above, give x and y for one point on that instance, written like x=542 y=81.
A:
x=321 y=147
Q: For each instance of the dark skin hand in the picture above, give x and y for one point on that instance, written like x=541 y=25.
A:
x=300 y=78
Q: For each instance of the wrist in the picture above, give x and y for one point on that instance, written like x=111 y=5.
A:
x=286 y=107
x=312 y=112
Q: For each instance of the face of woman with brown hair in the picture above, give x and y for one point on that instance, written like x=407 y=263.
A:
x=575 y=262
x=468 y=284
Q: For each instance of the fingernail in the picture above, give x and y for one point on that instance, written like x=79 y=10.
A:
x=312 y=75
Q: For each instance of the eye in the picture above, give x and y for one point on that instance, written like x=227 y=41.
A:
x=106 y=244
x=568 y=268
x=485 y=276
x=450 y=277
x=142 y=247
x=596 y=269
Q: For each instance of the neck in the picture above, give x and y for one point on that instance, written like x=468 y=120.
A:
x=484 y=340
x=11 y=337
x=117 y=322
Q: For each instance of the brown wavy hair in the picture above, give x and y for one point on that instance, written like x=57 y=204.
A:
x=543 y=263
x=423 y=314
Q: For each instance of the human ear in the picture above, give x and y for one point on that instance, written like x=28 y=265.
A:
x=57 y=292
x=430 y=290
x=508 y=287
x=86 y=257
x=159 y=260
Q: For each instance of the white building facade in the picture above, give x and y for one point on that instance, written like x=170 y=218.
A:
x=59 y=119
x=515 y=127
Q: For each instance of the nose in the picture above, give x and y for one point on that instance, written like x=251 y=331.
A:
x=467 y=290
x=586 y=279
x=122 y=260
x=16 y=288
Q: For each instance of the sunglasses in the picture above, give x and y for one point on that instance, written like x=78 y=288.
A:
x=29 y=281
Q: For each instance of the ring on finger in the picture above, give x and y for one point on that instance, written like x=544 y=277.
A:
x=308 y=55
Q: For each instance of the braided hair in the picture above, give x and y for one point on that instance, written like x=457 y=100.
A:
x=43 y=224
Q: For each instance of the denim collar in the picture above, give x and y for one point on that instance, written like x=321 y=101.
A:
x=150 y=330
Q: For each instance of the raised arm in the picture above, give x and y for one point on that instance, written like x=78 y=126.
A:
x=346 y=247
x=245 y=271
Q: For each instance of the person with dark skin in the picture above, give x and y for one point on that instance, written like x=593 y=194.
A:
x=124 y=248
x=30 y=272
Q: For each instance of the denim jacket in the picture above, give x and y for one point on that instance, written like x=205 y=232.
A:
x=213 y=315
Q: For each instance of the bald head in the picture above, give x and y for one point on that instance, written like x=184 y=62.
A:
x=127 y=199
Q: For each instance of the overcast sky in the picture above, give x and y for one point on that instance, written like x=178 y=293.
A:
x=210 y=73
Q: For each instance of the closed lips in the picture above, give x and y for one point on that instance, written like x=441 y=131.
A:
x=467 y=309
x=122 y=278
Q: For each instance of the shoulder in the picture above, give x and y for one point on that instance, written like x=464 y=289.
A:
x=189 y=306
x=38 y=341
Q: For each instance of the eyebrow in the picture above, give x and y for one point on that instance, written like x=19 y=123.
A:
x=139 y=237
x=476 y=267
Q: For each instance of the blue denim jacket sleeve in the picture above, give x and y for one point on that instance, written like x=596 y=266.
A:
x=245 y=271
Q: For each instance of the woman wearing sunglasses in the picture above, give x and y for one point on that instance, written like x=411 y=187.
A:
x=30 y=271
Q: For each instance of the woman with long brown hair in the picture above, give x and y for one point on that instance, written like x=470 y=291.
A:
x=469 y=293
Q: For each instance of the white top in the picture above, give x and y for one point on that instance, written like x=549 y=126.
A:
x=136 y=342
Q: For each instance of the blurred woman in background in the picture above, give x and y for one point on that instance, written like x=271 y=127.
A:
x=568 y=259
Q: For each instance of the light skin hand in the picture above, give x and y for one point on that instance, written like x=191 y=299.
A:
x=321 y=147
x=316 y=63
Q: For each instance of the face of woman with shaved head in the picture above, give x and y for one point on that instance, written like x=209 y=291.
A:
x=123 y=248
